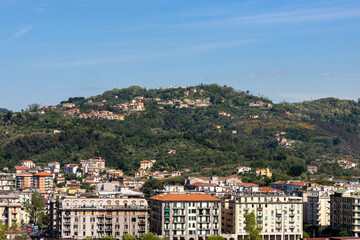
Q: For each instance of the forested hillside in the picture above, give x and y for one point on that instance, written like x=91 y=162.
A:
x=195 y=127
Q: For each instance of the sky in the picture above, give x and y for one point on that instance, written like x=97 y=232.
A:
x=286 y=50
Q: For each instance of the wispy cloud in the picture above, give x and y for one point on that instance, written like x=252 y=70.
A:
x=179 y=52
x=265 y=74
x=327 y=74
x=290 y=16
x=17 y=34
x=21 y=32
x=350 y=75
x=333 y=74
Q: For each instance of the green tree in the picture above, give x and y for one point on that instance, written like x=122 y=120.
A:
x=149 y=236
x=343 y=234
x=252 y=227
x=89 y=238
x=296 y=170
x=151 y=185
x=3 y=230
x=21 y=237
x=127 y=236
x=305 y=235
x=215 y=237
x=35 y=207
x=107 y=238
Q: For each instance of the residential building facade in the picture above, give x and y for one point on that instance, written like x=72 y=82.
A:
x=77 y=218
x=185 y=216
x=280 y=216
x=345 y=211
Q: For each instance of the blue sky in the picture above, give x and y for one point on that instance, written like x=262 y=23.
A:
x=285 y=50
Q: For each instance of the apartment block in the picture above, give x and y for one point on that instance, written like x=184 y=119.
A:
x=24 y=180
x=317 y=208
x=345 y=211
x=10 y=209
x=280 y=216
x=43 y=181
x=77 y=218
x=185 y=216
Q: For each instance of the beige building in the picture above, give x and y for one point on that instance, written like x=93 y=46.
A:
x=345 y=211
x=280 y=216
x=185 y=216
x=77 y=218
x=317 y=208
x=146 y=164
x=10 y=209
x=96 y=162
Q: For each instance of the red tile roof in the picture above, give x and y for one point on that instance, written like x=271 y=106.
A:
x=268 y=189
x=199 y=184
x=185 y=198
x=279 y=182
x=298 y=183
x=43 y=174
x=21 y=167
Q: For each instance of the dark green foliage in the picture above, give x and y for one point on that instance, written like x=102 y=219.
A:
x=150 y=185
x=214 y=237
x=296 y=170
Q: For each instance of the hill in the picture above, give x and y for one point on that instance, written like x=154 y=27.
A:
x=195 y=127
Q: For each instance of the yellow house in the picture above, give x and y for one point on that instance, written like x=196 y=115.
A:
x=264 y=172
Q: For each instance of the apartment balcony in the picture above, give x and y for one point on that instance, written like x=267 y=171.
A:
x=291 y=226
x=259 y=213
x=141 y=222
x=292 y=208
x=291 y=220
x=278 y=212
x=278 y=226
x=179 y=207
x=278 y=220
x=204 y=207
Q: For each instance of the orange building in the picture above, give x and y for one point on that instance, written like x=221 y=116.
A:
x=24 y=180
x=43 y=181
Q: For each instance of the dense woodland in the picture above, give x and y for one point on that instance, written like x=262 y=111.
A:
x=322 y=130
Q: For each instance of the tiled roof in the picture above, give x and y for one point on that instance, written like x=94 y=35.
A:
x=279 y=182
x=185 y=198
x=44 y=174
x=199 y=184
x=298 y=183
x=268 y=189
x=21 y=167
